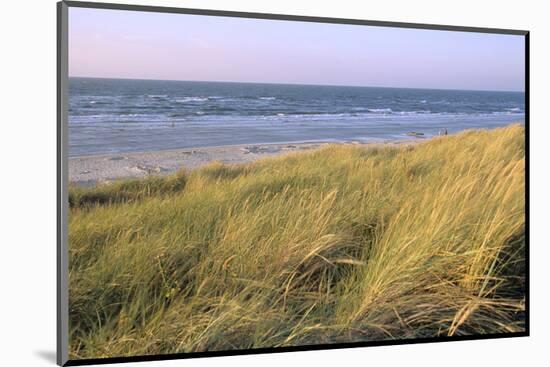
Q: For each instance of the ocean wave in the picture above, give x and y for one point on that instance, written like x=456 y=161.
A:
x=320 y=119
x=100 y=102
x=191 y=99
x=508 y=112
x=380 y=110
x=96 y=97
x=224 y=112
x=135 y=115
x=381 y=113
x=267 y=98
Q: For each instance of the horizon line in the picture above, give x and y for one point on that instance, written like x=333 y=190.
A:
x=297 y=84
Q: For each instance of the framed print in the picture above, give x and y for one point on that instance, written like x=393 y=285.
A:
x=236 y=183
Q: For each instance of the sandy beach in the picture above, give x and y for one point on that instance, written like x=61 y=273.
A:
x=91 y=170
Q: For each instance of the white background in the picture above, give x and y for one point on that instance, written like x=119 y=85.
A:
x=28 y=180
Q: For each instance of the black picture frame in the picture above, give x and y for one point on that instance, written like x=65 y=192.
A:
x=62 y=180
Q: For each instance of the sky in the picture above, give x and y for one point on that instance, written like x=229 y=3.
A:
x=145 y=45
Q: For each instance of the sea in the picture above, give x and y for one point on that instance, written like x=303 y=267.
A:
x=109 y=116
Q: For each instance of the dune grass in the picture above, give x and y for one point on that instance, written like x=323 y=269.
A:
x=340 y=244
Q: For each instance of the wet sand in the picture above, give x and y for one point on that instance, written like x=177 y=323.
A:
x=91 y=170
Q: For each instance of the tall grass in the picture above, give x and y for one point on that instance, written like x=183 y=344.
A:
x=335 y=245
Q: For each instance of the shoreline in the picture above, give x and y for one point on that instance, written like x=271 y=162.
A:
x=97 y=169
x=301 y=142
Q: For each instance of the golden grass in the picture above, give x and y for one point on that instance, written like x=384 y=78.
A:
x=335 y=245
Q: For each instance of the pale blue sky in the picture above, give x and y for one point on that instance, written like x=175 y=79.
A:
x=143 y=45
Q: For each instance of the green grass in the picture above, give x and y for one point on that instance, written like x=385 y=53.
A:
x=340 y=244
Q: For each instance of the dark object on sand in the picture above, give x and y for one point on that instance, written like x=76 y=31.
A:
x=415 y=134
x=117 y=158
x=256 y=149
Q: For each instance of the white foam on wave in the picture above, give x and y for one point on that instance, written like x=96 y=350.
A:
x=268 y=98
x=134 y=114
x=507 y=112
x=419 y=112
x=380 y=110
x=191 y=99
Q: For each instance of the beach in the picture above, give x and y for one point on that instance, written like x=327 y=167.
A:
x=97 y=169
x=137 y=128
